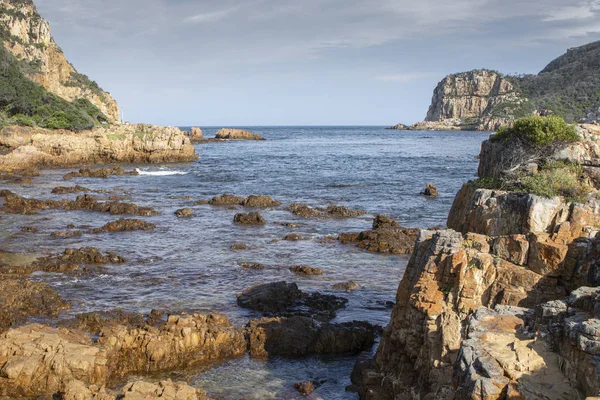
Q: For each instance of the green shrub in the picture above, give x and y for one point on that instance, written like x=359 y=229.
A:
x=21 y=97
x=25 y=120
x=539 y=131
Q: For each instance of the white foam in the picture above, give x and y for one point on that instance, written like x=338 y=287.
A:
x=160 y=173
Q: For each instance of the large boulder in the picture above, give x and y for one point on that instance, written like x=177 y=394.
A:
x=285 y=299
x=301 y=336
x=387 y=236
x=196 y=135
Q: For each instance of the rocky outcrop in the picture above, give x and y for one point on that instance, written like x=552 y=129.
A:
x=480 y=100
x=127 y=143
x=20 y=299
x=387 y=236
x=333 y=211
x=481 y=312
x=252 y=201
x=99 y=173
x=252 y=218
x=237 y=134
x=39 y=360
x=399 y=127
x=196 y=135
x=302 y=336
x=286 y=300
x=27 y=36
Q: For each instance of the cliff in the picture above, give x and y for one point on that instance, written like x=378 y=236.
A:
x=27 y=36
x=503 y=304
x=485 y=100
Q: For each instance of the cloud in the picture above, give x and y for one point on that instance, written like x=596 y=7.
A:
x=212 y=16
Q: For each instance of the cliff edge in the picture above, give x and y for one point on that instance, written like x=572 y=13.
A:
x=485 y=100
x=27 y=36
x=505 y=303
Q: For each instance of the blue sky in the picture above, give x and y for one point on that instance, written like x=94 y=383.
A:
x=309 y=62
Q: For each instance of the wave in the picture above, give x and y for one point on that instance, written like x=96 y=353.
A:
x=160 y=173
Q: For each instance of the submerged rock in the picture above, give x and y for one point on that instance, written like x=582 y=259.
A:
x=301 y=336
x=306 y=270
x=184 y=213
x=347 y=286
x=70 y=189
x=292 y=237
x=20 y=299
x=252 y=218
x=387 y=236
x=255 y=266
x=239 y=246
x=237 y=134
x=304 y=388
x=226 y=200
x=125 y=225
x=66 y=234
x=99 y=173
x=75 y=259
x=283 y=299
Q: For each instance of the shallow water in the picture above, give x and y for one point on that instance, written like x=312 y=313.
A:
x=187 y=264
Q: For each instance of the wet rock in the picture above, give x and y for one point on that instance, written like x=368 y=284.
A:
x=16 y=204
x=283 y=299
x=292 y=237
x=18 y=176
x=237 y=134
x=387 y=236
x=29 y=229
x=239 y=246
x=67 y=234
x=260 y=202
x=125 y=225
x=252 y=218
x=20 y=299
x=255 y=266
x=430 y=191
x=202 y=202
x=249 y=202
x=287 y=224
x=306 y=270
x=74 y=259
x=347 y=286
x=184 y=213
x=226 y=200
x=301 y=336
x=99 y=173
x=70 y=189
x=302 y=210
x=304 y=388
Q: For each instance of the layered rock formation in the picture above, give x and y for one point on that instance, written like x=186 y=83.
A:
x=472 y=100
x=27 y=36
x=505 y=304
x=127 y=143
x=39 y=360
x=485 y=100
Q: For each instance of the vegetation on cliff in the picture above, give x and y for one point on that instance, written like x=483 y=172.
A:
x=24 y=102
x=527 y=163
x=569 y=86
x=538 y=131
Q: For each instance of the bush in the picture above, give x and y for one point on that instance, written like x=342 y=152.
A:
x=25 y=102
x=539 y=131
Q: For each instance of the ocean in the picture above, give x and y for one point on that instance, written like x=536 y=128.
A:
x=187 y=265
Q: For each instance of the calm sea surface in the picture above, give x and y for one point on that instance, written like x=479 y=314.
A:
x=187 y=265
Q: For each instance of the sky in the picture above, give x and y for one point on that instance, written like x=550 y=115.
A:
x=304 y=62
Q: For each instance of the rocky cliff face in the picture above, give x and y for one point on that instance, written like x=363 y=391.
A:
x=503 y=305
x=27 y=36
x=475 y=100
